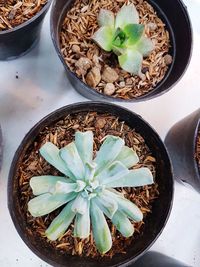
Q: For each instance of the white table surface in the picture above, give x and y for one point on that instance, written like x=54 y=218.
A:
x=42 y=87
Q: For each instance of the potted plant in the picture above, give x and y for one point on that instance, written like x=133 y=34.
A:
x=78 y=140
x=20 y=26
x=183 y=144
x=122 y=50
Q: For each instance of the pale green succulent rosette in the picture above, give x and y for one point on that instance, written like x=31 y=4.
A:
x=87 y=189
x=124 y=36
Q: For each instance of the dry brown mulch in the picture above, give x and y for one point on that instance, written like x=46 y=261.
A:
x=80 y=24
x=62 y=133
x=15 y=12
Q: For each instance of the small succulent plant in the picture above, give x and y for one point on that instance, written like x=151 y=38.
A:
x=88 y=188
x=124 y=36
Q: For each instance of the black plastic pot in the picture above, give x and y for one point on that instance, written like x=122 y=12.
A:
x=21 y=39
x=155 y=259
x=181 y=144
x=175 y=16
x=154 y=223
x=1 y=148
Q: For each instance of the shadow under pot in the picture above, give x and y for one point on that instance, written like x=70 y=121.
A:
x=93 y=133
x=99 y=75
x=183 y=144
x=20 y=27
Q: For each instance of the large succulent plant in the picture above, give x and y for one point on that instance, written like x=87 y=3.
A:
x=124 y=36
x=88 y=188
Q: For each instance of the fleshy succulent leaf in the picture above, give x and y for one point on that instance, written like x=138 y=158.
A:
x=84 y=145
x=60 y=224
x=131 y=61
x=113 y=172
x=106 y=18
x=100 y=229
x=50 y=153
x=70 y=156
x=127 y=15
x=90 y=169
x=65 y=188
x=128 y=157
x=145 y=46
x=134 y=33
x=127 y=207
x=45 y=184
x=103 y=37
x=80 y=204
x=107 y=204
x=135 y=178
x=109 y=150
x=46 y=203
x=82 y=224
x=122 y=223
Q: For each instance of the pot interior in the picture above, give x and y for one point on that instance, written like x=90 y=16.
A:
x=154 y=223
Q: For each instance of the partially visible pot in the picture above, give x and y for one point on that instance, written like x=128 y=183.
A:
x=155 y=259
x=1 y=148
x=160 y=209
x=21 y=39
x=181 y=143
x=180 y=31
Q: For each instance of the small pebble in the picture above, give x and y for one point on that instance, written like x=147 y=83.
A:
x=76 y=48
x=100 y=123
x=122 y=84
x=152 y=26
x=83 y=64
x=109 y=75
x=129 y=81
x=93 y=77
x=109 y=89
x=168 y=59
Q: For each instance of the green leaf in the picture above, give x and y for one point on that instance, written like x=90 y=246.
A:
x=135 y=178
x=50 y=153
x=84 y=145
x=108 y=205
x=134 y=33
x=60 y=224
x=71 y=157
x=145 y=46
x=65 y=188
x=128 y=157
x=131 y=61
x=100 y=229
x=46 y=203
x=45 y=184
x=122 y=223
x=127 y=15
x=109 y=150
x=127 y=207
x=90 y=169
x=82 y=224
x=104 y=37
x=113 y=172
x=106 y=18
x=80 y=204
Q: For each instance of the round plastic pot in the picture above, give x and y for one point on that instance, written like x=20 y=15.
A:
x=155 y=259
x=154 y=223
x=21 y=39
x=1 y=148
x=181 y=143
x=175 y=16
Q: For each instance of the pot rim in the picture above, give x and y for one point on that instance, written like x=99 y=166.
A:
x=29 y=21
x=24 y=142
x=151 y=94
